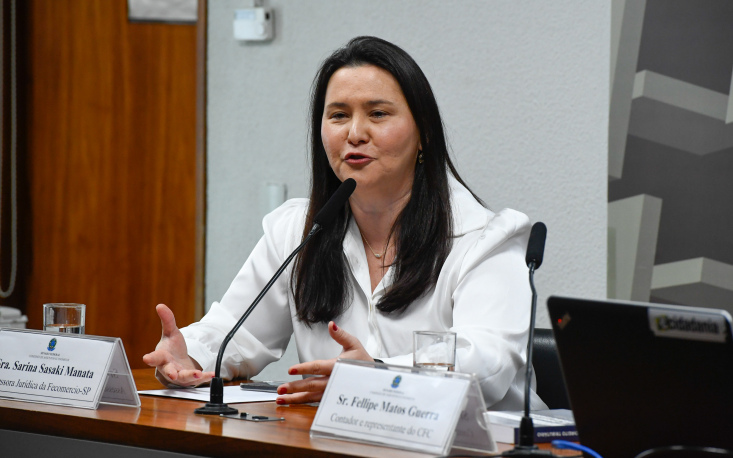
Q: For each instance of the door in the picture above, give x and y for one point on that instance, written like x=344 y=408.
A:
x=108 y=122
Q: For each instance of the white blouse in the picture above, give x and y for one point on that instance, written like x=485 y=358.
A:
x=482 y=294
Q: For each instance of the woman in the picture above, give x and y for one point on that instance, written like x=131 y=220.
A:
x=413 y=249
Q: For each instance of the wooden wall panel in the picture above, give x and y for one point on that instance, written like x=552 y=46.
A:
x=111 y=132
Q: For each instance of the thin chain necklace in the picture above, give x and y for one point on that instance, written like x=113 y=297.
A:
x=376 y=255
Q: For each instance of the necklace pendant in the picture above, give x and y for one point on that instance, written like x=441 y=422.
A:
x=378 y=255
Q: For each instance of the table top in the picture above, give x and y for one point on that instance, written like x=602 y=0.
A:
x=170 y=424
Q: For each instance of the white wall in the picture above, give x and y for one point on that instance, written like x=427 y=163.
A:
x=523 y=88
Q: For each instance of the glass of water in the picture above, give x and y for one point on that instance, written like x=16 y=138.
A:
x=434 y=350
x=63 y=317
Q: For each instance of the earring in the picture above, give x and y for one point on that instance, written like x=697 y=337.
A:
x=420 y=158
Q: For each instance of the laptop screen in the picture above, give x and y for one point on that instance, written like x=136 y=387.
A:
x=641 y=376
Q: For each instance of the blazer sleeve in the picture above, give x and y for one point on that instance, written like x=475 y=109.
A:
x=491 y=307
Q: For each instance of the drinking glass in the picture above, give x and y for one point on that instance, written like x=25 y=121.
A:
x=64 y=318
x=434 y=350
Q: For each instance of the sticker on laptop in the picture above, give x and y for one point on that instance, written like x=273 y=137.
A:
x=687 y=325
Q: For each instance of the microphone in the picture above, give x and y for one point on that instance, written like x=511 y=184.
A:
x=335 y=203
x=536 y=245
x=216 y=405
x=535 y=251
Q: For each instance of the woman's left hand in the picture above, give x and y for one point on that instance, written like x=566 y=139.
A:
x=311 y=389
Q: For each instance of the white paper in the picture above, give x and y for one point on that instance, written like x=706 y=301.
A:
x=232 y=394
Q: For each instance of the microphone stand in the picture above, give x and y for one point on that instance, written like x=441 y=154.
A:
x=535 y=251
x=216 y=405
x=526 y=445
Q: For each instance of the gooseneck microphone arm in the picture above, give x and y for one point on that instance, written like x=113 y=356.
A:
x=530 y=351
x=216 y=405
x=535 y=252
x=316 y=228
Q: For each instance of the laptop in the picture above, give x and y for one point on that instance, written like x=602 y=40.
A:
x=641 y=376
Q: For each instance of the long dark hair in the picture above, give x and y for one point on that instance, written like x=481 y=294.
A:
x=423 y=229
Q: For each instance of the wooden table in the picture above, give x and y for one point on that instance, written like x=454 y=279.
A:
x=169 y=424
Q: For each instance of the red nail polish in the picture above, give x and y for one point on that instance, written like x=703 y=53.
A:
x=282 y=390
x=280 y=401
x=293 y=372
x=335 y=328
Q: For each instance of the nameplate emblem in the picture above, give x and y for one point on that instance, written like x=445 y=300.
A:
x=402 y=407
x=65 y=369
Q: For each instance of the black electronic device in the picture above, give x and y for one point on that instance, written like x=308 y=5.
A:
x=644 y=376
x=257 y=385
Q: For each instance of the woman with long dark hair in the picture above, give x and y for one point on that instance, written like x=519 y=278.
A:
x=412 y=249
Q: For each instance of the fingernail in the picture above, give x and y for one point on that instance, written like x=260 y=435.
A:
x=195 y=375
x=280 y=401
x=335 y=328
x=293 y=371
x=282 y=390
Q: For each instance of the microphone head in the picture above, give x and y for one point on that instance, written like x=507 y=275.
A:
x=536 y=245
x=335 y=203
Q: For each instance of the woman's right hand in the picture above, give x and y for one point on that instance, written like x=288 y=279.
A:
x=170 y=357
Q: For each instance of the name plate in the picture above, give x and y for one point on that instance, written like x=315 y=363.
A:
x=403 y=407
x=65 y=369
